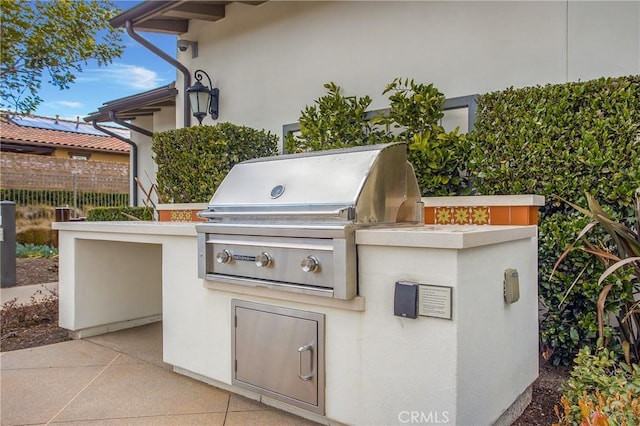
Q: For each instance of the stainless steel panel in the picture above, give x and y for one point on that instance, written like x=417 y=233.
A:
x=202 y=253
x=308 y=230
x=315 y=291
x=302 y=177
x=279 y=352
x=370 y=184
x=344 y=268
x=242 y=257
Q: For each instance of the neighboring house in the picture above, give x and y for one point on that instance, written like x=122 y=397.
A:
x=270 y=59
x=46 y=153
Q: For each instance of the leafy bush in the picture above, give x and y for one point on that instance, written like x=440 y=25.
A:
x=336 y=121
x=562 y=140
x=569 y=319
x=34 y=250
x=618 y=250
x=193 y=161
x=438 y=157
x=333 y=122
x=110 y=214
x=600 y=391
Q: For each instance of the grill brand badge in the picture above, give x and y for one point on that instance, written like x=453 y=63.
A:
x=244 y=258
x=277 y=191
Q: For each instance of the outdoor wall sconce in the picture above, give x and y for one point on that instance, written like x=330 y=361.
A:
x=203 y=100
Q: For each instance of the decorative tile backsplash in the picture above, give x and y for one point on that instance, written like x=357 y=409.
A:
x=481 y=215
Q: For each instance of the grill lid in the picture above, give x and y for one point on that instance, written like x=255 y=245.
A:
x=369 y=184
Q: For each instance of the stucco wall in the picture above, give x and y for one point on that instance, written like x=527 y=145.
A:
x=271 y=60
x=146 y=165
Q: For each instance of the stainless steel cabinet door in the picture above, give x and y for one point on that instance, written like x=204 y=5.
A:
x=279 y=352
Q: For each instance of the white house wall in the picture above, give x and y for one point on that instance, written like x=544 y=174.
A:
x=163 y=120
x=269 y=61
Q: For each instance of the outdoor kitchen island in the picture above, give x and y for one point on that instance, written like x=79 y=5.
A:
x=469 y=356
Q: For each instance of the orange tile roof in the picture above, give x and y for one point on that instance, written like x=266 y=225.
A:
x=14 y=133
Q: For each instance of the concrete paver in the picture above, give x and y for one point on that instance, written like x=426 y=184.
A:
x=208 y=419
x=146 y=346
x=117 y=379
x=141 y=389
x=36 y=395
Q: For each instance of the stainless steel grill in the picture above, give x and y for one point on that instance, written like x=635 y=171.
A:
x=288 y=222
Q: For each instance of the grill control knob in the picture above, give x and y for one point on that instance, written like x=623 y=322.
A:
x=223 y=256
x=310 y=264
x=263 y=260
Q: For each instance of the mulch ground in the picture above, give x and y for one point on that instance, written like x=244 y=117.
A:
x=32 y=325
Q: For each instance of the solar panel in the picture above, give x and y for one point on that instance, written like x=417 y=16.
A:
x=64 y=126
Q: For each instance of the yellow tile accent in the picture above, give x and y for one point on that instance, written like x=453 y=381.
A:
x=480 y=215
x=461 y=215
x=444 y=215
x=179 y=216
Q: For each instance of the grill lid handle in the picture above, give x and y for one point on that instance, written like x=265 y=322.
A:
x=346 y=213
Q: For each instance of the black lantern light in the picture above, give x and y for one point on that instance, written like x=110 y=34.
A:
x=203 y=100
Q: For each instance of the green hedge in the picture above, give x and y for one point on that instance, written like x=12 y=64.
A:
x=57 y=198
x=193 y=161
x=100 y=214
x=562 y=140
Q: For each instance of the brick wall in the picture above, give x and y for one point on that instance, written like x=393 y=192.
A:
x=26 y=171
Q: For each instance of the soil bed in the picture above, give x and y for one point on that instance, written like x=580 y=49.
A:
x=32 y=325
x=28 y=325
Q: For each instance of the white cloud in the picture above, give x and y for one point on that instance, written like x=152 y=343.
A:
x=69 y=104
x=130 y=76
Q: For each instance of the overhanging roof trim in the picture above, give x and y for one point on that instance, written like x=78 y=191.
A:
x=142 y=12
x=164 y=16
x=141 y=102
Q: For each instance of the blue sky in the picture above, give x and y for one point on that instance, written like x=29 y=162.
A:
x=137 y=70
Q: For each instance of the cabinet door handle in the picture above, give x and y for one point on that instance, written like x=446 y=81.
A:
x=302 y=349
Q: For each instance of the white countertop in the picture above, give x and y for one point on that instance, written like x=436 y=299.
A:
x=444 y=236
x=428 y=236
x=130 y=227
x=484 y=200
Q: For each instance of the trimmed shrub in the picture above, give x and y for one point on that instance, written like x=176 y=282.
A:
x=193 y=161
x=562 y=140
x=33 y=225
x=110 y=214
x=39 y=235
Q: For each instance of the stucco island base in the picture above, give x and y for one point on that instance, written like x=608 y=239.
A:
x=472 y=369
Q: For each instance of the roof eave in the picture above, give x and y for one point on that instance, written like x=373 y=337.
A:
x=142 y=12
x=138 y=101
